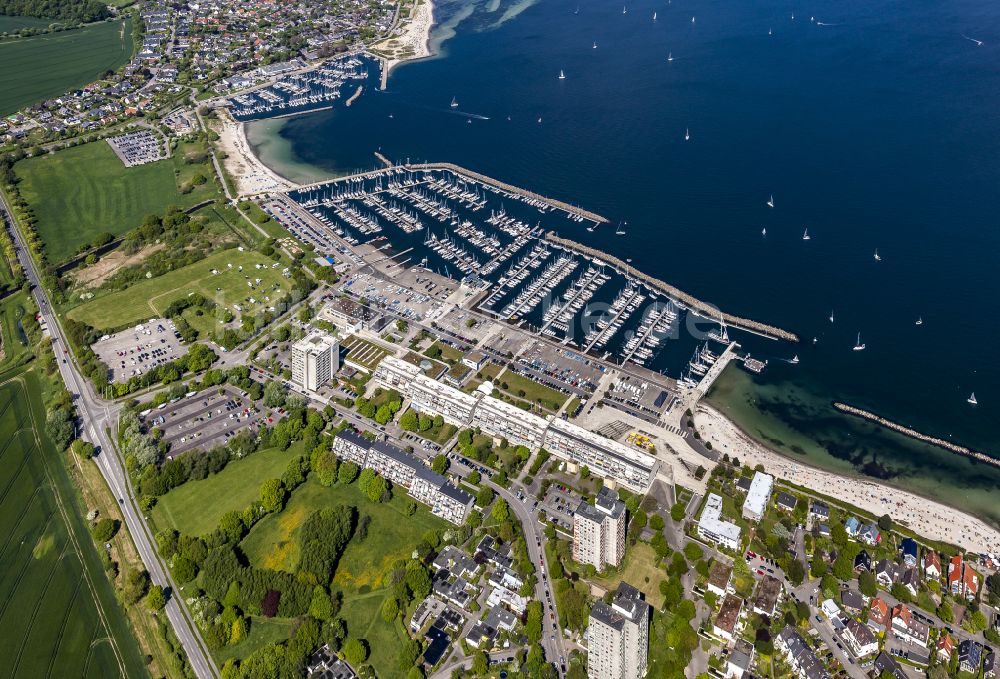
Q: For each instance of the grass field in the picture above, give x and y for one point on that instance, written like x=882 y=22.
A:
x=364 y=620
x=531 y=391
x=14 y=342
x=391 y=536
x=80 y=192
x=263 y=631
x=57 y=609
x=639 y=569
x=230 y=287
x=48 y=65
x=195 y=507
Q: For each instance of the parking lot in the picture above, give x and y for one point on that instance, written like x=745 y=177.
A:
x=568 y=369
x=396 y=298
x=137 y=148
x=560 y=505
x=207 y=419
x=134 y=351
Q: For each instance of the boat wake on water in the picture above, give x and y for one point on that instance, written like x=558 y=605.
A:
x=978 y=42
x=456 y=112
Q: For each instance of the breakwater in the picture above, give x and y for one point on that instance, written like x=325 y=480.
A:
x=916 y=435
x=691 y=302
x=357 y=93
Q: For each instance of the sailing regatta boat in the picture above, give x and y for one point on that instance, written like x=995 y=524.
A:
x=562 y=75
x=795 y=360
x=972 y=399
x=620 y=231
x=920 y=320
x=454 y=102
x=670 y=56
x=687 y=133
x=624 y=10
x=877 y=257
x=831 y=317
x=859 y=346
x=805 y=235
x=770 y=201
x=769 y=31
x=763 y=232
x=654 y=16
x=595 y=44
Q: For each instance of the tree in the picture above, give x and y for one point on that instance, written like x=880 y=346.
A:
x=390 y=609
x=533 y=623
x=274 y=394
x=232 y=526
x=656 y=522
x=678 y=511
x=885 y=523
x=796 y=572
x=418 y=579
x=440 y=463
x=326 y=468
x=480 y=663
x=843 y=567
x=693 y=551
x=839 y=534
x=347 y=473
x=238 y=632
x=901 y=592
x=484 y=496
x=355 y=651
x=272 y=495
x=500 y=511
x=945 y=612
x=184 y=569
x=408 y=421
x=867 y=584
x=104 y=530
x=321 y=606
x=156 y=599
x=378 y=489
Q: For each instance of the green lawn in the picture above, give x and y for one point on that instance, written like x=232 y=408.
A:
x=364 y=620
x=58 y=612
x=49 y=65
x=229 y=288
x=263 y=631
x=11 y=311
x=391 y=535
x=531 y=391
x=195 y=507
x=639 y=569
x=80 y=192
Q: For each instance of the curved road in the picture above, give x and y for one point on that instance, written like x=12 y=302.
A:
x=98 y=417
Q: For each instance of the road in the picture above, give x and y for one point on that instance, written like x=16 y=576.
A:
x=99 y=417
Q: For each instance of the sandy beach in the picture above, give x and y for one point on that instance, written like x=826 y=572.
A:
x=926 y=517
x=411 y=39
x=250 y=174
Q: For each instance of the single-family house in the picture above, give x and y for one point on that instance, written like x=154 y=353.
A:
x=970 y=656
x=786 y=502
x=905 y=626
x=852 y=601
x=853 y=527
x=860 y=638
x=945 y=647
x=886 y=573
x=863 y=562
x=932 y=565
x=820 y=510
x=886 y=663
x=878 y=615
x=869 y=534
x=909 y=551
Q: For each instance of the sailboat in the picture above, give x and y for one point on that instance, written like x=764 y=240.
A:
x=595 y=44
x=624 y=10
x=769 y=31
x=692 y=20
x=454 y=102
x=770 y=201
x=859 y=346
x=763 y=232
x=877 y=257
x=831 y=317
x=920 y=320
x=972 y=399
x=620 y=231
x=654 y=16
x=562 y=75
x=670 y=56
x=687 y=133
x=795 y=360
x=805 y=235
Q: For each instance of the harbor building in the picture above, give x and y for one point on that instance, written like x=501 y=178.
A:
x=609 y=459
x=599 y=530
x=757 y=497
x=435 y=398
x=711 y=527
x=402 y=469
x=393 y=373
x=315 y=359
x=501 y=420
x=618 y=636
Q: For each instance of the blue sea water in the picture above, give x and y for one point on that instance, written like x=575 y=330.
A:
x=873 y=124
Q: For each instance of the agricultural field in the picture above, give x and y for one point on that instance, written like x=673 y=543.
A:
x=195 y=507
x=233 y=285
x=14 y=341
x=48 y=65
x=57 y=609
x=80 y=192
x=9 y=24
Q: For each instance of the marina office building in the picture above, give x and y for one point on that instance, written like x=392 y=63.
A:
x=615 y=462
x=403 y=469
x=315 y=360
x=618 y=636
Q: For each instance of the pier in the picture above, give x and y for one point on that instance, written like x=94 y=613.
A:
x=357 y=93
x=916 y=435
x=692 y=303
x=708 y=379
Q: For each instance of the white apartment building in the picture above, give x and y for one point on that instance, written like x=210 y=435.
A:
x=711 y=527
x=351 y=446
x=502 y=420
x=618 y=636
x=315 y=360
x=599 y=530
x=757 y=497
x=606 y=458
x=435 y=398
x=393 y=373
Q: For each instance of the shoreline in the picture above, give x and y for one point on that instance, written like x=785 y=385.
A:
x=251 y=175
x=412 y=43
x=926 y=517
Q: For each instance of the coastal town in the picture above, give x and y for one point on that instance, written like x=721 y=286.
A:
x=390 y=424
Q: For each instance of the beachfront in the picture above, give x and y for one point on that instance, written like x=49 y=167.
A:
x=413 y=42
x=926 y=517
x=252 y=177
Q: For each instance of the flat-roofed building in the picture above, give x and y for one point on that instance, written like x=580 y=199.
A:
x=768 y=595
x=502 y=420
x=725 y=625
x=599 y=530
x=315 y=359
x=760 y=492
x=606 y=458
x=436 y=398
x=618 y=636
x=393 y=373
x=711 y=527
